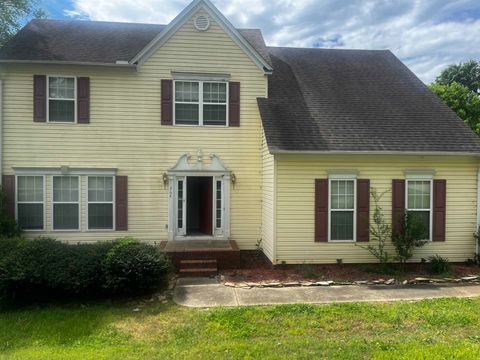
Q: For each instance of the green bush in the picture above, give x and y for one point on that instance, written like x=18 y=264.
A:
x=8 y=225
x=413 y=235
x=44 y=268
x=438 y=264
x=131 y=266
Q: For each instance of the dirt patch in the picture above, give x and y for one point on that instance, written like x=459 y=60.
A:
x=256 y=269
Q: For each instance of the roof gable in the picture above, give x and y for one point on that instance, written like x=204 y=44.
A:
x=213 y=12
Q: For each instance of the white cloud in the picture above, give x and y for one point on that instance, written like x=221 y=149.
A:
x=426 y=34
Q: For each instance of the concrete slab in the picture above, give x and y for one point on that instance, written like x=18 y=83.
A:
x=207 y=292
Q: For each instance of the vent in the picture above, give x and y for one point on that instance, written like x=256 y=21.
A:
x=201 y=22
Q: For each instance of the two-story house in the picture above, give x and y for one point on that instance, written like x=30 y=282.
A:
x=197 y=133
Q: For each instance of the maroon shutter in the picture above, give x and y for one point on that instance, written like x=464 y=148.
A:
x=167 y=102
x=321 y=210
x=363 y=209
x=439 y=202
x=234 y=104
x=8 y=186
x=39 y=98
x=121 y=203
x=398 y=205
x=83 y=100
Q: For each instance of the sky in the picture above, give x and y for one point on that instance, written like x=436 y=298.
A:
x=427 y=35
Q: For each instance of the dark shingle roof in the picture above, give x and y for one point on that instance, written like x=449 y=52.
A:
x=92 y=41
x=355 y=100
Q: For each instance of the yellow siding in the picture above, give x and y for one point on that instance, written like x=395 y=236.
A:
x=125 y=131
x=268 y=202
x=295 y=204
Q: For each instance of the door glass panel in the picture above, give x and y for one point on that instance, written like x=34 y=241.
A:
x=180 y=204
x=218 y=204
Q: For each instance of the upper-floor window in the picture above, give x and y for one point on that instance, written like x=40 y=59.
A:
x=61 y=99
x=200 y=103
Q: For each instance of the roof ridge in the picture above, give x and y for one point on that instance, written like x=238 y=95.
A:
x=95 y=21
x=325 y=49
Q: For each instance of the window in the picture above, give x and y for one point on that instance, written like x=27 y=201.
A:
x=30 y=202
x=66 y=205
x=61 y=99
x=100 y=202
x=200 y=103
x=218 y=204
x=419 y=201
x=342 y=209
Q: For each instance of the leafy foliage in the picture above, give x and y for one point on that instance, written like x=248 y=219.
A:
x=413 y=235
x=438 y=264
x=12 y=13
x=44 y=268
x=462 y=100
x=380 y=231
x=466 y=74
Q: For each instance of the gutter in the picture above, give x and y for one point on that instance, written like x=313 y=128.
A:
x=412 y=153
x=55 y=62
x=1 y=131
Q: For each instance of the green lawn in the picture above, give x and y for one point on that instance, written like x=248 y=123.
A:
x=437 y=329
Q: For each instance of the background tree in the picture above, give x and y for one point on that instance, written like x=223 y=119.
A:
x=12 y=15
x=459 y=86
x=466 y=74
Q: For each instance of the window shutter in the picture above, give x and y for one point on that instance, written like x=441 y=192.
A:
x=8 y=185
x=234 y=104
x=167 y=102
x=321 y=210
x=39 y=98
x=363 y=210
x=83 y=100
x=121 y=203
x=439 y=202
x=398 y=205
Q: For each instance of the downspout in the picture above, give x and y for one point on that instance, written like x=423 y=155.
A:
x=1 y=131
x=478 y=209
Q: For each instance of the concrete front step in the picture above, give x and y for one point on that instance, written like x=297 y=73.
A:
x=198 y=263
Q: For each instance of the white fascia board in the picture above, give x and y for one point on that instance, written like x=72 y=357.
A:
x=183 y=17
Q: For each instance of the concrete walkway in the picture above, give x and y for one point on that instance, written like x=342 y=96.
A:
x=207 y=292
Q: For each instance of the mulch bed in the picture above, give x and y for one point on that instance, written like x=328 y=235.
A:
x=256 y=269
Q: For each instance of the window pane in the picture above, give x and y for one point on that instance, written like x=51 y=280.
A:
x=61 y=88
x=186 y=114
x=218 y=211
x=342 y=225
x=418 y=195
x=214 y=114
x=180 y=205
x=214 y=92
x=65 y=216
x=424 y=217
x=65 y=188
x=342 y=194
x=100 y=216
x=30 y=216
x=30 y=188
x=186 y=91
x=61 y=110
x=100 y=188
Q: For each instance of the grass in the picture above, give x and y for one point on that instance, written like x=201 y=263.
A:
x=433 y=329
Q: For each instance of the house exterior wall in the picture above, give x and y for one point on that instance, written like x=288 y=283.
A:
x=125 y=133
x=268 y=202
x=295 y=192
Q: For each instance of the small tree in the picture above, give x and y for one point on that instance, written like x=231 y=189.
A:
x=414 y=234
x=8 y=225
x=380 y=231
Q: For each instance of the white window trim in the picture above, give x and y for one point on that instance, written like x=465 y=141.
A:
x=113 y=202
x=421 y=178
x=342 y=177
x=79 y=202
x=200 y=102
x=31 y=202
x=74 y=99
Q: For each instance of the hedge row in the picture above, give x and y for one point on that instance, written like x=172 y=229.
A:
x=45 y=268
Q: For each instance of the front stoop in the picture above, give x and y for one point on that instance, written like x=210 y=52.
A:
x=191 y=256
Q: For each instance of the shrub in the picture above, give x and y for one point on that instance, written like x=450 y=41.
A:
x=413 y=234
x=132 y=266
x=44 y=268
x=438 y=264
